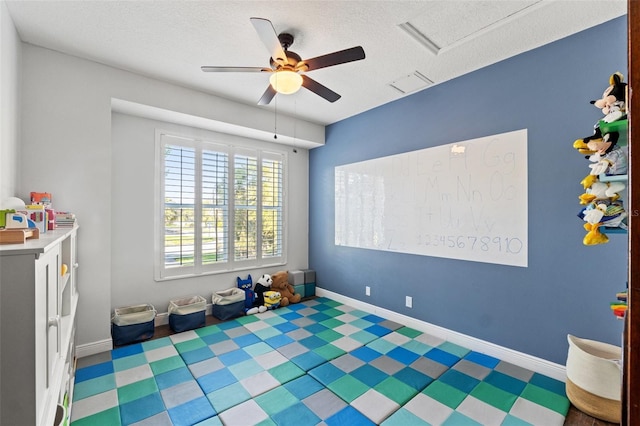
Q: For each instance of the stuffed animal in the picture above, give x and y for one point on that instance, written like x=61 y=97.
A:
x=287 y=291
x=602 y=191
x=608 y=157
x=263 y=284
x=272 y=299
x=249 y=297
x=613 y=99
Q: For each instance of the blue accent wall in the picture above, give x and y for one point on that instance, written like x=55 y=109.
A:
x=567 y=286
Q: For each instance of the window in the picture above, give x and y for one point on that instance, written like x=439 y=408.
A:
x=221 y=207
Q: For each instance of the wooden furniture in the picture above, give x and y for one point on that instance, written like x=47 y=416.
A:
x=37 y=327
x=631 y=376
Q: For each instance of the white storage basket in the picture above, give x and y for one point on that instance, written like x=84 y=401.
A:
x=136 y=314
x=594 y=378
x=187 y=305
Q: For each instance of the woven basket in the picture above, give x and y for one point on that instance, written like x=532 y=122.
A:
x=594 y=378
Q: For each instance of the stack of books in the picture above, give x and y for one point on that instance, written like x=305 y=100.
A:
x=65 y=220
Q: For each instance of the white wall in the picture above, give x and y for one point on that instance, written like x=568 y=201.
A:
x=66 y=141
x=132 y=212
x=10 y=58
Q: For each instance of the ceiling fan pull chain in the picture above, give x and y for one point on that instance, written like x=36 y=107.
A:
x=275 y=120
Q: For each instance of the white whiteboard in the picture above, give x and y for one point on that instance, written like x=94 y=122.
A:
x=465 y=200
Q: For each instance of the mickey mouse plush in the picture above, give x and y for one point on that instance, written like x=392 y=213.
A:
x=613 y=99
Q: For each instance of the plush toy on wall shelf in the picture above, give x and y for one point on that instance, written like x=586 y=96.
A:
x=607 y=151
x=613 y=100
x=598 y=191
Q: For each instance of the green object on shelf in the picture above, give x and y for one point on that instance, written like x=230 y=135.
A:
x=619 y=126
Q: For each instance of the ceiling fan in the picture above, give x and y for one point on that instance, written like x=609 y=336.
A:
x=287 y=68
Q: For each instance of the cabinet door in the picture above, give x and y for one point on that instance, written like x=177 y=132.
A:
x=49 y=269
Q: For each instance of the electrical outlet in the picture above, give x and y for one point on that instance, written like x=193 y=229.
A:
x=408 y=301
x=367 y=291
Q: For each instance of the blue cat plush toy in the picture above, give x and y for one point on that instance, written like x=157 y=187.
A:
x=249 y=297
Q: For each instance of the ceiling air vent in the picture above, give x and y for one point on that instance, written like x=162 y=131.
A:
x=411 y=83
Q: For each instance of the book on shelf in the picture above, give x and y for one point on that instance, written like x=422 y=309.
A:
x=65 y=220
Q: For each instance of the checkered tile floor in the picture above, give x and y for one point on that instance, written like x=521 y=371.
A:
x=315 y=362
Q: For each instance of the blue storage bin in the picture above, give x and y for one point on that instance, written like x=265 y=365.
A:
x=228 y=304
x=187 y=313
x=132 y=324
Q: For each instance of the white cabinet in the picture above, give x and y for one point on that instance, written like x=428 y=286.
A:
x=37 y=326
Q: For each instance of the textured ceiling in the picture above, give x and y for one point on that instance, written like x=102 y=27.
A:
x=170 y=40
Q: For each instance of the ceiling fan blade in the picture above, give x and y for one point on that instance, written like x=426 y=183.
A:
x=267 y=96
x=268 y=35
x=319 y=89
x=207 y=68
x=335 y=58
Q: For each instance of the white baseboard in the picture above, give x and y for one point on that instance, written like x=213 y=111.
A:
x=520 y=359
x=93 y=348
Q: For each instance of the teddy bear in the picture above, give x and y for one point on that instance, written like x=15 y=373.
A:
x=280 y=283
x=250 y=307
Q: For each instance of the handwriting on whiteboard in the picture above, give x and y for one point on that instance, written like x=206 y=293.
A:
x=466 y=200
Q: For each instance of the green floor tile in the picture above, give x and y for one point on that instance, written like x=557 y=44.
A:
x=396 y=390
x=417 y=347
x=494 y=396
x=190 y=345
x=332 y=323
x=332 y=303
x=358 y=313
x=404 y=417
x=409 y=332
x=267 y=422
x=332 y=312
x=363 y=337
x=452 y=348
x=228 y=396
x=205 y=331
x=459 y=419
x=94 y=386
x=109 y=417
x=245 y=369
x=267 y=332
x=546 y=398
x=275 y=320
x=348 y=388
x=276 y=400
x=381 y=345
x=166 y=364
x=258 y=349
x=157 y=343
x=136 y=390
x=329 y=352
x=445 y=394
x=247 y=319
x=128 y=362
x=329 y=335
x=361 y=323
x=286 y=372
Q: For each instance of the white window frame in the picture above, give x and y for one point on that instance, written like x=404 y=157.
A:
x=233 y=146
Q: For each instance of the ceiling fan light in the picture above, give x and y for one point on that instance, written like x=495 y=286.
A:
x=286 y=82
